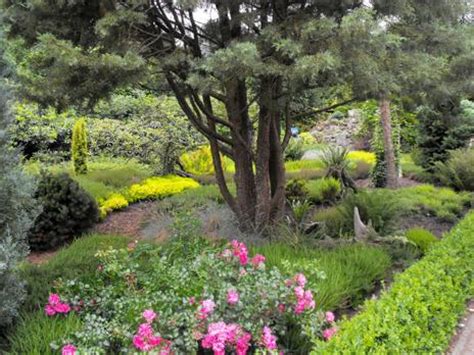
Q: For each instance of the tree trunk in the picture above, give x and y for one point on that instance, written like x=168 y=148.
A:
x=391 y=172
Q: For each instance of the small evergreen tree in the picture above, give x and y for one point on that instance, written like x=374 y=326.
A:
x=79 y=147
x=17 y=212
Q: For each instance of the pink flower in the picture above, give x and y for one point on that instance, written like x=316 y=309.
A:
x=145 y=340
x=304 y=300
x=68 y=349
x=330 y=317
x=240 y=251
x=207 y=307
x=53 y=299
x=300 y=280
x=192 y=300
x=329 y=333
x=62 y=308
x=145 y=330
x=281 y=307
x=268 y=339
x=299 y=292
x=226 y=253
x=49 y=310
x=232 y=297
x=149 y=315
x=219 y=335
x=243 y=343
x=258 y=260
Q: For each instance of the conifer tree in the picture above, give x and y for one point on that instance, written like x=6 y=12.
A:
x=79 y=148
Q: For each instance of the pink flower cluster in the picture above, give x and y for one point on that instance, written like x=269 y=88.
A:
x=68 y=349
x=55 y=305
x=304 y=300
x=258 y=260
x=329 y=333
x=268 y=339
x=219 y=335
x=207 y=307
x=240 y=250
x=232 y=297
x=145 y=338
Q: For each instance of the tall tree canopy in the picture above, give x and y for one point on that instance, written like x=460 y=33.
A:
x=230 y=53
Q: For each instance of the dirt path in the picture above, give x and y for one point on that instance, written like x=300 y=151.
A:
x=127 y=222
x=463 y=342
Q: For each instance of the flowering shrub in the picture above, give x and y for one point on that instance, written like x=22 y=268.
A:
x=145 y=298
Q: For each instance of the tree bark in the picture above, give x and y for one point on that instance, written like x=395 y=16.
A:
x=391 y=172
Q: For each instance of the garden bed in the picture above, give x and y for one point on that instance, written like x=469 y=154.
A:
x=421 y=310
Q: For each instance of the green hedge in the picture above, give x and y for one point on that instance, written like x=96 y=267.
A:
x=420 y=311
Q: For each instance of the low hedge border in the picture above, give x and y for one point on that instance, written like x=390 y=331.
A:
x=419 y=313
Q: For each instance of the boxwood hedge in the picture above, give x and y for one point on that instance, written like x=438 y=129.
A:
x=419 y=313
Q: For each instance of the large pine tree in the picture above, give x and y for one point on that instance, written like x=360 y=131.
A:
x=234 y=53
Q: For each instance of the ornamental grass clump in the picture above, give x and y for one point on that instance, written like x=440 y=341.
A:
x=222 y=300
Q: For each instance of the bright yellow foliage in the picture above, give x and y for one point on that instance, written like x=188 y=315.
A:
x=115 y=201
x=158 y=187
x=362 y=155
x=199 y=161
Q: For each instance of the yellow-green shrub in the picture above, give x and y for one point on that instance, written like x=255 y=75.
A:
x=158 y=187
x=307 y=138
x=362 y=155
x=115 y=201
x=199 y=162
x=79 y=151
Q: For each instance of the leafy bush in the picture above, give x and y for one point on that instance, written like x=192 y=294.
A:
x=79 y=151
x=362 y=155
x=159 y=187
x=155 y=132
x=115 y=201
x=423 y=238
x=362 y=170
x=324 y=190
x=296 y=190
x=443 y=203
x=199 y=162
x=458 y=171
x=375 y=207
x=294 y=149
x=68 y=211
x=213 y=290
x=420 y=311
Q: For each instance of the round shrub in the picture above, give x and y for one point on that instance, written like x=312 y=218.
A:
x=295 y=149
x=68 y=211
x=423 y=238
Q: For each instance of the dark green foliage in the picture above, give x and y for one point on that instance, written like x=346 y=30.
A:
x=296 y=190
x=423 y=238
x=420 y=311
x=295 y=149
x=68 y=211
x=444 y=127
x=375 y=207
x=17 y=208
x=79 y=151
x=458 y=171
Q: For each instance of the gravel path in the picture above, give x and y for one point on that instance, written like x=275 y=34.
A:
x=463 y=341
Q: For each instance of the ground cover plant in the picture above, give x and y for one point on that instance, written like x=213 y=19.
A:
x=184 y=302
x=419 y=312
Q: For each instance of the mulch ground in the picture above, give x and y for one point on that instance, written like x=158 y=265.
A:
x=127 y=222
